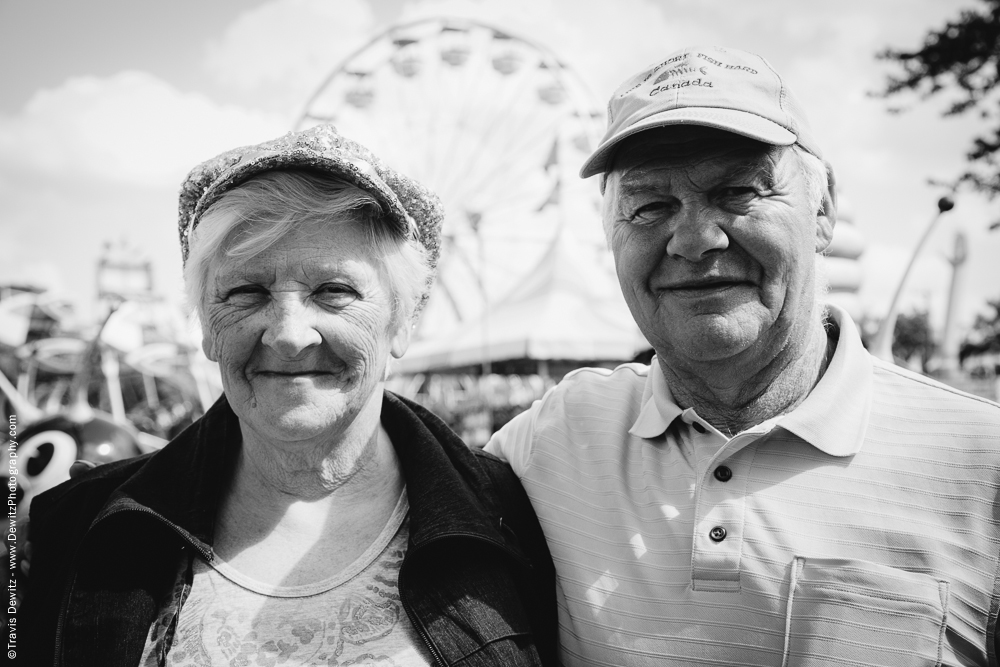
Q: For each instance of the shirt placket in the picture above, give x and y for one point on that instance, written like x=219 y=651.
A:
x=720 y=501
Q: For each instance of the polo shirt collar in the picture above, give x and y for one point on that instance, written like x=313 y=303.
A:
x=658 y=407
x=833 y=418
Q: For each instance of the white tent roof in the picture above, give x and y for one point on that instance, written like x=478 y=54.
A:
x=568 y=307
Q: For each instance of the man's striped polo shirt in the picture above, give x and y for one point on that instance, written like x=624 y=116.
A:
x=859 y=529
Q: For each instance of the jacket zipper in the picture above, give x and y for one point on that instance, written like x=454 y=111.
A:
x=64 y=605
x=69 y=591
x=418 y=624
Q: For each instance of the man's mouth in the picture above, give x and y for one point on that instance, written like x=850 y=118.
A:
x=707 y=285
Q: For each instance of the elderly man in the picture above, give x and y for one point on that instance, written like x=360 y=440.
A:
x=765 y=492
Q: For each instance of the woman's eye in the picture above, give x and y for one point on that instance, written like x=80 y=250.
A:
x=246 y=294
x=336 y=294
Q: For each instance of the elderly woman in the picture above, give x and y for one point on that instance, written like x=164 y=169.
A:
x=310 y=517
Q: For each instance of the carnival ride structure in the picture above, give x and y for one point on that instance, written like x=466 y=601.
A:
x=100 y=392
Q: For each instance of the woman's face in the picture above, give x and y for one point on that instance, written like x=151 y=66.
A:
x=302 y=332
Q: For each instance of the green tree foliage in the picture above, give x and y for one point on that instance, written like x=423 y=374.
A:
x=963 y=57
x=985 y=335
x=913 y=336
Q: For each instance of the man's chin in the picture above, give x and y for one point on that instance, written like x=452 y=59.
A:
x=710 y=337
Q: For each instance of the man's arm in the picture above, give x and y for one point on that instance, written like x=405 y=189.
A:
x=514 y=442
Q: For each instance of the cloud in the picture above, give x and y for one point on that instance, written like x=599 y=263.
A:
x=278 y=53
x=100 y=159
x=128 y=128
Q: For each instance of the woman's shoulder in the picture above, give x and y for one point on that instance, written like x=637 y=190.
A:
x=90 y=488
x=499 y=470
x=468 y=461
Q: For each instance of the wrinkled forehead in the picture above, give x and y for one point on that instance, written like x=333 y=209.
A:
x=688 y=147
x=310 y=247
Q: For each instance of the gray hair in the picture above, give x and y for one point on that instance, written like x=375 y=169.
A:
x=816 y=176
x=814 y=172
x=254 y=215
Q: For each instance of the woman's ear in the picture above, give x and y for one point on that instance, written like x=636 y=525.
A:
x=826 y=217
x=400 y=340
x=207 y=344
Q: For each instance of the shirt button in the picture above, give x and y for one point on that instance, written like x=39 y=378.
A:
x=723 y=474
x=717 y=534
x=698 y=427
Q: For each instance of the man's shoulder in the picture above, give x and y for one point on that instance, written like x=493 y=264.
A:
x=589 y=401
x=622 y=373
x=588 y=404
x=623 y=383
x=900 y=393
x=898 y=380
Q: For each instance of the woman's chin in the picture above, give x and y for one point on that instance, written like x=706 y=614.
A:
x=300 y=422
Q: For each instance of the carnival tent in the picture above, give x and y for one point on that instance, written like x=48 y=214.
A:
x=568 y=307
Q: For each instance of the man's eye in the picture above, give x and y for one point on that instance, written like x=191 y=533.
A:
x=741 y=193
x=651 y=212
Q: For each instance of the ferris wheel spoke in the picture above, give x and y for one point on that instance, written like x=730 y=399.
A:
x=445 y=131
x=441 y=92
x=404 y=99
x=467 y=90
x=519 y=193
x=495 y=113
x=502 y=161
x=466 y=178
x=496 y=127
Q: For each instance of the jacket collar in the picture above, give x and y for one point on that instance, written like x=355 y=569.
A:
x=448 y=492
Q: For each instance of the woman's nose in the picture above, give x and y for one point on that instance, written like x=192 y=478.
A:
x=695 y=233
x=291 y=328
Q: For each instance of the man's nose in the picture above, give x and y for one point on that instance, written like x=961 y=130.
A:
x=291 y=327
x=695 y=232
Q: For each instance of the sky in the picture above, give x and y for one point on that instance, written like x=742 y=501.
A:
x=106 y=105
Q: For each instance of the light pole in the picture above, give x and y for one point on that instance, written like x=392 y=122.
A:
x=882 y=345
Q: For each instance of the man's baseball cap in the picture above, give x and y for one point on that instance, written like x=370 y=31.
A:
x=727 y=89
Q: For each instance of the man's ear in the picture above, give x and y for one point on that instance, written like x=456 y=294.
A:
x=826 y=217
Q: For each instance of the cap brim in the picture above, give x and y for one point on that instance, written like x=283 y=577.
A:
x=738 y=122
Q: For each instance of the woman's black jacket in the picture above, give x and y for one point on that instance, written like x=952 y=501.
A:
x=477 y=581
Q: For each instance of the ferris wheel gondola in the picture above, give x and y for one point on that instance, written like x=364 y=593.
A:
x=493 y=123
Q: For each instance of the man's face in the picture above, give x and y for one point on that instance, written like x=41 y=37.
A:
x=714 y=240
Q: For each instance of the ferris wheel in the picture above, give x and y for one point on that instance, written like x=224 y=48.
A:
x=494 y=124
